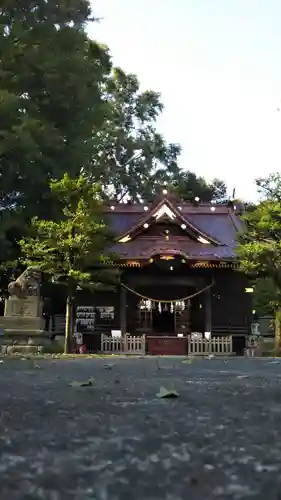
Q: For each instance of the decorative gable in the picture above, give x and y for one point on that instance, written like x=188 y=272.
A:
x=166 y=211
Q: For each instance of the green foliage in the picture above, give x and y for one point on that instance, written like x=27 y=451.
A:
x=266 y=297
x=50 y=103
x=259 y=251
x=66 y=249
x=130 y=157
x=11 y=230
x=270 y=187
x=189 y=186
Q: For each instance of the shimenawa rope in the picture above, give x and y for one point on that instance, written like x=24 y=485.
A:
x=168 y=301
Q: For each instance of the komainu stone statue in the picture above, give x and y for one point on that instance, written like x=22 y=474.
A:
x=27 y=284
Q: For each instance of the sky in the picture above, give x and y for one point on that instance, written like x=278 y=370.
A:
x=217 y=65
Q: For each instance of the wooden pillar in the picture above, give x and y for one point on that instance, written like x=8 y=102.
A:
x=123 y=310
x=208 y=311
x=188 y=316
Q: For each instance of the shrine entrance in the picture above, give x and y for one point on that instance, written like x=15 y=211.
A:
x=163 y=304
x=163 y=316
x=163 y=321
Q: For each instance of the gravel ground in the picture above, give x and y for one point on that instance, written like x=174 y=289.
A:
x=220 y=439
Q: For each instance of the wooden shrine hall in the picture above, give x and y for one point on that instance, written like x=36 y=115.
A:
x=178 y=274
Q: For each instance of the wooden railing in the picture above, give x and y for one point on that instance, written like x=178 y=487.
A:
x=219 y=346
x=123 y=345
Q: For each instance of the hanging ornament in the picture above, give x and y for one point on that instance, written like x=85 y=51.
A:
x=147 y=305
x=172 y=307
x=153 y=305
x=159 y=307
x=166 y=307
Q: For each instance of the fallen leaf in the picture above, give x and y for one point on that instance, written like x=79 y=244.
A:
x=86 y=383
x=164 y=393
x=188 y=361
x=242 y=376
x=193 y=480
x=36 y=366
x=1 y=361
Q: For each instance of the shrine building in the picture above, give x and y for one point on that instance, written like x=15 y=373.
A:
x=179 y=274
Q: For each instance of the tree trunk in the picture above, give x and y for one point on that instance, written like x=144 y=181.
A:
x=278 y=331
x=69 y=324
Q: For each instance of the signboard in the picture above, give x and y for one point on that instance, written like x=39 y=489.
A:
x=116 y=333
x=106 y=312
x=85 y=319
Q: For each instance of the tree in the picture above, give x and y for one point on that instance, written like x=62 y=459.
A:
x=189 y=186
x=265 y=299
x=219 y=190
x=62 y=110
x=130 y=157
x=71 y=249
x=260 y=246
x=50 y=101
x=269 y=187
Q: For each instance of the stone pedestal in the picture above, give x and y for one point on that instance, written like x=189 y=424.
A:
x=31 y=307
x=22 y=326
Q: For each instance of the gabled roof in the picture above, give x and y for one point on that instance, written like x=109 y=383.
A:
x=218 y=224
x=166 y=210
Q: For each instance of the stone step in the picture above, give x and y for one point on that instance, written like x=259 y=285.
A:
x=22 y=324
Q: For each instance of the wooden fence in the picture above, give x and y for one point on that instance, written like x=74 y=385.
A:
x=123 y=345
x=219 y=346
